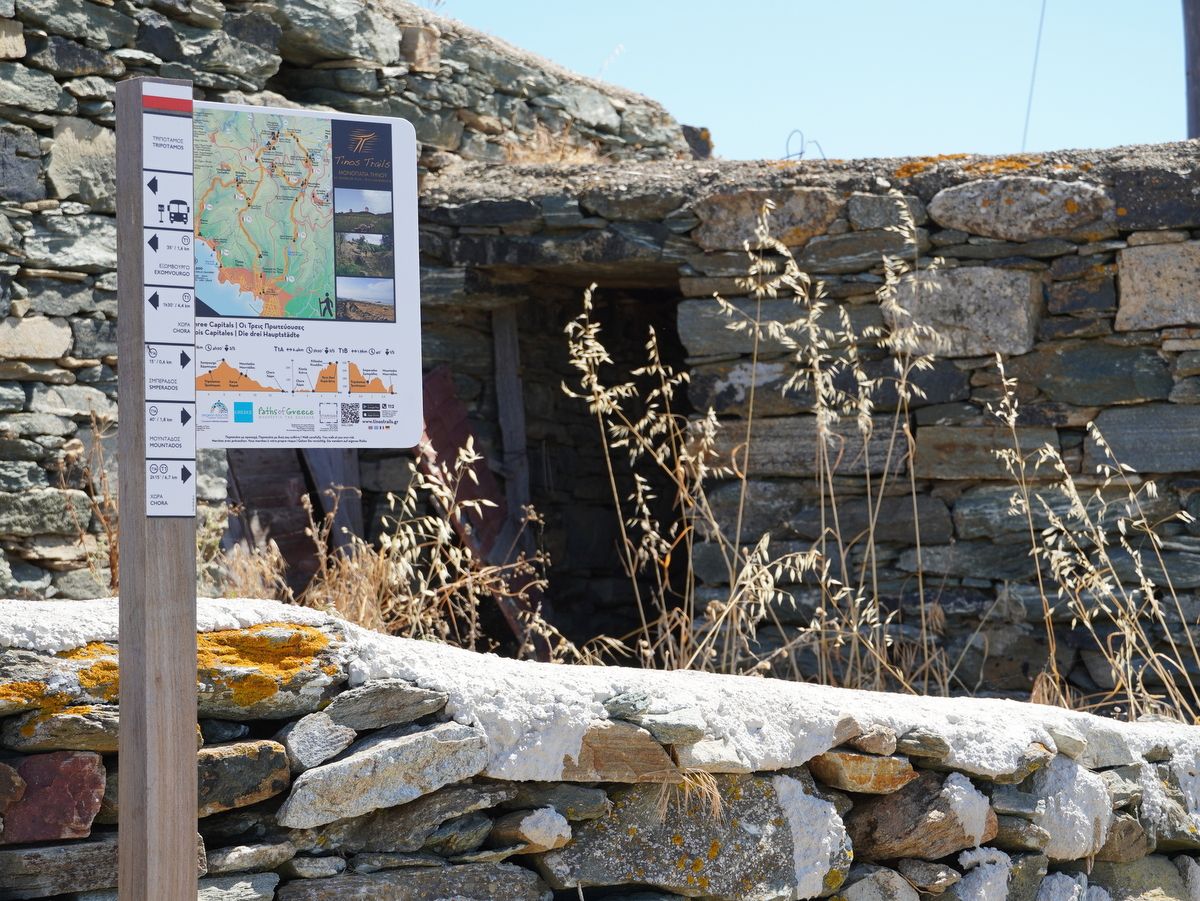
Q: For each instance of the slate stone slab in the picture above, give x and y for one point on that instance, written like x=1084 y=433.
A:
x=977 y=311
x=895 y=519
x=788 y=446
x=1154 y=198
x=858 y=251
x=1091 y=296
x=1157 y=284
x=468 y=882
x=1095 y=374
x=964 y=452
x=725 y=387
x=705 y=330
x=405 y=827
x=881 y=211
x=1152 y=438
x=383 y=702
x=971 y=559
x=983 y=512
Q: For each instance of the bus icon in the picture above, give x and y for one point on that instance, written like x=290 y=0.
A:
x=178 y=211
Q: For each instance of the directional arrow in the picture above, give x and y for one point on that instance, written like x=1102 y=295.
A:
x=184 y=416
x=153 y=242
x=153 y=300
x=152 y=184
x=184 y=359
x=185 y=473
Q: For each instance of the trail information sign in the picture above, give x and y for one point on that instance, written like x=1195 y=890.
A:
x=281 y=283
x=268 y=297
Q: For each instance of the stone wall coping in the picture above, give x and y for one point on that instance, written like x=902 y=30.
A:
x=694 y=180
x=536 y=715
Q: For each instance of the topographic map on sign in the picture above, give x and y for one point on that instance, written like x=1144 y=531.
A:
x=264 y=215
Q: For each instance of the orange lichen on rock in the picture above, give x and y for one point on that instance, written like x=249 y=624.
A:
x=1001 y=165
x=25 y=695
x=90 y=651
x=273 y=653
x=924 y=164
x=101 y=680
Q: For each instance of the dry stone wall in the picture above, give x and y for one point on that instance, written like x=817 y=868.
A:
x=1077 y=268
x=469 y=95
x=337 y=763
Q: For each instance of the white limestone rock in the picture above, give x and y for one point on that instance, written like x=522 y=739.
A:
x=1074 y=806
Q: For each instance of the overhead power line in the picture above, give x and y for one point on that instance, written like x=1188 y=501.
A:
x=1037 y=50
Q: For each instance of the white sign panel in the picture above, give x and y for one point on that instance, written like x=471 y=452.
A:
x=168 y=276
x=307 y=313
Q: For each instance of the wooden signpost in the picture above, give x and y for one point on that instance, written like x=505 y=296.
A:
x=268 y=297
x=157 y=791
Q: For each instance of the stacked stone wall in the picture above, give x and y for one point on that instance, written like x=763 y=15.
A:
x=471 y=97
x=336 y=763
x=1079 y=269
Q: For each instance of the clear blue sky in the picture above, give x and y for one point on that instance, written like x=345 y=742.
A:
x=872 y=77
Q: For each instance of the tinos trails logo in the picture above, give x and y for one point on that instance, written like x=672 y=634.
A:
x=362 y=155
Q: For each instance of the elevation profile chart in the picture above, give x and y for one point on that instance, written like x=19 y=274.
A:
x=306 y=278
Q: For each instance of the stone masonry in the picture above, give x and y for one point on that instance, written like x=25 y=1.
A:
x=337 y=763
x=1078 y=267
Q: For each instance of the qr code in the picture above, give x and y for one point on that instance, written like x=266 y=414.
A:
x=350 y=414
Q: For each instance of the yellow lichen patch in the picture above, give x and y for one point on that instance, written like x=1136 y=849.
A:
x=1001 y=165
x=676 y=839
x=714 y=849
x=924 y=164
x=29 y=729
x=1071 y=205
x=698 y=864
x=632 y=830
x=101 y=679
x=274 y=654
x=24 y=695
x=90 y=651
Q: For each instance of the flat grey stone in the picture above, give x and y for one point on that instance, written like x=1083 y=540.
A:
x=312 y=867
x=313 y=739
x=249 y=858
x=383 y=702
x=1094 y=374
x=1152 y=438
x=963 y=452
x=405 y=828
x=787 y=446
x=387 y=769
x=975 y=311
x=469 y=882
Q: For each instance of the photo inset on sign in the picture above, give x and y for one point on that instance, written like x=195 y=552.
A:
x=365 y=212
x=364 y=255
x=366 y=300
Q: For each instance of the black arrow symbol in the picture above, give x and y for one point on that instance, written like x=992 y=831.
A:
x=153 y=242
x=185 y=473
x=184 y=416
x=152 y=184
x=184 y=359
x=153 y=300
